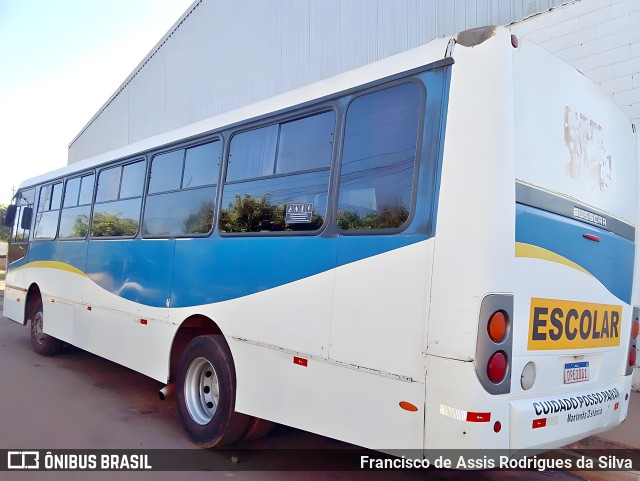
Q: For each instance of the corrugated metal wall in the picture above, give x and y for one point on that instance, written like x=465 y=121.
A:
x=229 y=53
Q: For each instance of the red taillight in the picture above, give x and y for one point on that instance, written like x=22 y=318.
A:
x=636 y=328
x=591 y=237
x=497 y=326
x=497 y=367
x=632 y=356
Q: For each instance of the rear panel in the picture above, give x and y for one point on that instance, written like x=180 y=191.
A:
x=574 y=247
x=536 y=219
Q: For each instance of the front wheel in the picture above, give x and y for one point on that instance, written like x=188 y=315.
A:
x=206 y=388
x=42 y=343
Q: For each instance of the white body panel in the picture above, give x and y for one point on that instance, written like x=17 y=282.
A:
x=370 y=327
x=477 y=191
x=333 y=400
x=587 y=139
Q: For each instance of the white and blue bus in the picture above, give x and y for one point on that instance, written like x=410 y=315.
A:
x=435 y=250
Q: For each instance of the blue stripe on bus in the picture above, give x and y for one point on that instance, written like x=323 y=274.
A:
x=610 y=260
x=201 y=271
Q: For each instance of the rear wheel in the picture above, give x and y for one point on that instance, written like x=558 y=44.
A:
x=206 y=389
x=42 y=343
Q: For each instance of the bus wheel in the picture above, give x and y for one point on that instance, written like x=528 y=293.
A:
x=42 y=343
x=206 y=389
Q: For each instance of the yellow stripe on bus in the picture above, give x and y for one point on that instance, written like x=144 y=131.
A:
x=53 y=265
x=535 y=252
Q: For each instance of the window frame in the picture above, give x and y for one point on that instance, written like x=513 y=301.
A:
x=34 y=224
x=13 y=235
x=289 y=116
x=94 y=203
x=410 y=79
x=216 y=186
x=80 y=176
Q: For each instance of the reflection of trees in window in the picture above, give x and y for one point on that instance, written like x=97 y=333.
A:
x=74 y=222
x=76 y=207
x=182 y=189
x=280 y=167
x=118 y=199
x=389 y=215
x=378 y=160
x=80 y=226
x=256 y=214
x=46 y=222
x=106 y=224
x=179 y=213
x=202 y=221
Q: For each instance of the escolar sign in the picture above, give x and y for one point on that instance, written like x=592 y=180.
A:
x=555 y=324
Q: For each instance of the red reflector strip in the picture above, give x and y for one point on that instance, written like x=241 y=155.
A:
x=616 y=406
x=539 y=423
x=300 y=361
x=143 y=322
x=478 y=417
x=88 y=308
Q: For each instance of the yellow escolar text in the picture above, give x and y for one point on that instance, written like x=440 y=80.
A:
x=556 y=324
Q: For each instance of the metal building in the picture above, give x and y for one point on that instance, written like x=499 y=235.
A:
x=224 y=54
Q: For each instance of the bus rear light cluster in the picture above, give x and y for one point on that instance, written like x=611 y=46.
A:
x=633 y=341
x=497 y=329
x=493 y=348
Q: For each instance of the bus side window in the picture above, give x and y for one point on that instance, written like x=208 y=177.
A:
x=118 y=200
x=378 y=160
x=76 y=208
x=278 y=176
x=48 y=210
x=182 y=191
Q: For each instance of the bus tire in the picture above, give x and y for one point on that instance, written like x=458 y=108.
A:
x=42 y=343
x=205 y=392
x=257 y=429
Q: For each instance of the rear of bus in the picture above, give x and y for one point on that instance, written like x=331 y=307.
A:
x=575 y=215
x=530 y=339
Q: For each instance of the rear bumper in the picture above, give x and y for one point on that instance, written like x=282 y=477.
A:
x=552 y=421
x=460 y=414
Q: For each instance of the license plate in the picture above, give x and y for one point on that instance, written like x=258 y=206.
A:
x=576 y=372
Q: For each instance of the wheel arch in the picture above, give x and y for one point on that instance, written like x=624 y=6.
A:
x=33 y=293
x=192 y=327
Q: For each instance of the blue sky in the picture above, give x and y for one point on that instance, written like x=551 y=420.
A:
x=60 y=61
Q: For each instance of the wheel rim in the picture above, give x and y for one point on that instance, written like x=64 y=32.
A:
x=201 y=390
x=37 y=327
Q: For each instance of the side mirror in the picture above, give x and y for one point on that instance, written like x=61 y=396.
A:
x=10 y=216
x=25 y=223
